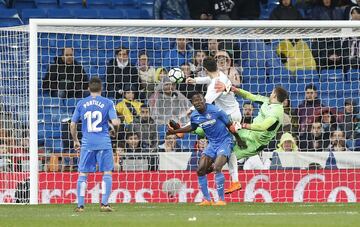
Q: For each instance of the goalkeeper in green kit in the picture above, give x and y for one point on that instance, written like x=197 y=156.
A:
x=256 y=136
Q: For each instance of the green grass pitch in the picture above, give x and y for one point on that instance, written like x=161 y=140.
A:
x=234 y=215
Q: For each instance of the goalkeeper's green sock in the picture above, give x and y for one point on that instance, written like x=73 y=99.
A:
x=81 y=188
x=106 y=187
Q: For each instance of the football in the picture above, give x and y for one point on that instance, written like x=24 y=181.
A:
x=176 y=75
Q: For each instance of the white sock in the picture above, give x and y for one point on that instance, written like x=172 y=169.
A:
x=233 y=168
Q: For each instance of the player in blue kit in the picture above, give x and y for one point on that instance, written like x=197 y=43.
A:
x=95 y=112
x=217 y=127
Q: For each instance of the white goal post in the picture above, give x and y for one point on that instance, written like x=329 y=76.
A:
x=200 y=30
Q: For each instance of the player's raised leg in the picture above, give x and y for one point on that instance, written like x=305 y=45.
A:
x=204 y=165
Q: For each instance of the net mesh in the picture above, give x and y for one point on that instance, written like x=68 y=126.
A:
x=151 y=167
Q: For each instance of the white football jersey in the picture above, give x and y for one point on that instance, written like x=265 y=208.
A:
x=225 y=101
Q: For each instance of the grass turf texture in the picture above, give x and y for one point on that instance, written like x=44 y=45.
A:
x=234 y=215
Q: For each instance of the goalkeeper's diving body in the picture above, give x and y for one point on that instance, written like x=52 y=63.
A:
x=258 y=134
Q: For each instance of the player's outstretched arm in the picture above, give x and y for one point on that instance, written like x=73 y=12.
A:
x=185 y=129
x=74 y=135
x=221 y=87
x=263 y=126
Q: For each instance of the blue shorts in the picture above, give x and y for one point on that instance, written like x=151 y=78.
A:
x=224 y=149
x=89 y=158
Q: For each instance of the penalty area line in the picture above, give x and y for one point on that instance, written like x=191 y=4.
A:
x=296 y=214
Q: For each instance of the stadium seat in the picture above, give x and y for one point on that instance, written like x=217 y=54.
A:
x=353 y=75
x=71 y=3
x=111 y=14
x=147 y=5
x=279 y=75
x=98 y=4
x=53 y=145
x=85 y=13
x=9 y=17
x=60 y=13
x=24 y=4
x=47 y=4
x=331 y=75
x=26 y=14
x=307 y=76
x=124 y=4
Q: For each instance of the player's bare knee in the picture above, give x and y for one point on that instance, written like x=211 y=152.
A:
x=201 y=172
x=217 y=168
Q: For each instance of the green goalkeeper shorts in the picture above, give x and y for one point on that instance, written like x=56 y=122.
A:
x=253 y=147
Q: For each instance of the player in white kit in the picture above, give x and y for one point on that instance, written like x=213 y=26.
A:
x=227 y=102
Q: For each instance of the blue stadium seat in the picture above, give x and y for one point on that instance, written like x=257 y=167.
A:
x=47 y=4
x=353 y=75
x=26 y=14
x=60 y=13
x=146 y=5
x=9 y=17
x=53 y=145
x=85 y=13
x=24 y=4
x=111 y=14
x=71 y=4
x=331 y=75
x=124 y=4
x=98 y=4
x=279 y=75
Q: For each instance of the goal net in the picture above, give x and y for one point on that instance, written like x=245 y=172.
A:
x=45 y=71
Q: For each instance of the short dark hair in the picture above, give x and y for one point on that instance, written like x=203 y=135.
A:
x=95 y=84
x=210 y=64
x=311 y=86
x=120 y=49
x=281 y=94
x=247 y=103
x=197 y=94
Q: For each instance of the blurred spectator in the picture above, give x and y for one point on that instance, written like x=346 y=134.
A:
x=328 y=120
x=128 y=108
x=350 y=119
x=213 y=46
x=119 y=73
x=337 y=141
x=287 y=143
x=291 y=121
x=330 y=53
x=189 y=89
x=200 y=9
x=146 y=128
x=316 y=140
x=147 y=73
x=352 y=12
x=167 y=103
x=169 y=145
x=200 y=145
x=171 y=10
x=5 y=160
x=308 y=108
x=196 y=66
x=247 y=112
x=181 y=53
x=326 y=10
x=226 y=65
x=353 y=43
x=221 y=9
x=247 y=10
x=160 y=73
x=66 y=77
x=296 y=54
x=285 y=11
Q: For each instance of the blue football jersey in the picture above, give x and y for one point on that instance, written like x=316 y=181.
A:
x=213 y=121
x=94 y=113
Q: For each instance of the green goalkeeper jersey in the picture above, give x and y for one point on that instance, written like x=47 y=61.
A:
x=269 y=119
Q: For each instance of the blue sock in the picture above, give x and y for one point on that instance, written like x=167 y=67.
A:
x=204 y=187
x=81 y=189
x=106 y=187
x=220 y=179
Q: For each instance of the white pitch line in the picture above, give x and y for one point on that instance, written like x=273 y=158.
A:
x=297 y=213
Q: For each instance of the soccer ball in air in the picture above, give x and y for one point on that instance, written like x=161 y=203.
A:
x=176 y=75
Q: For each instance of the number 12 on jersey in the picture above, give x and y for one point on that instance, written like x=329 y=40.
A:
x=92 y=126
